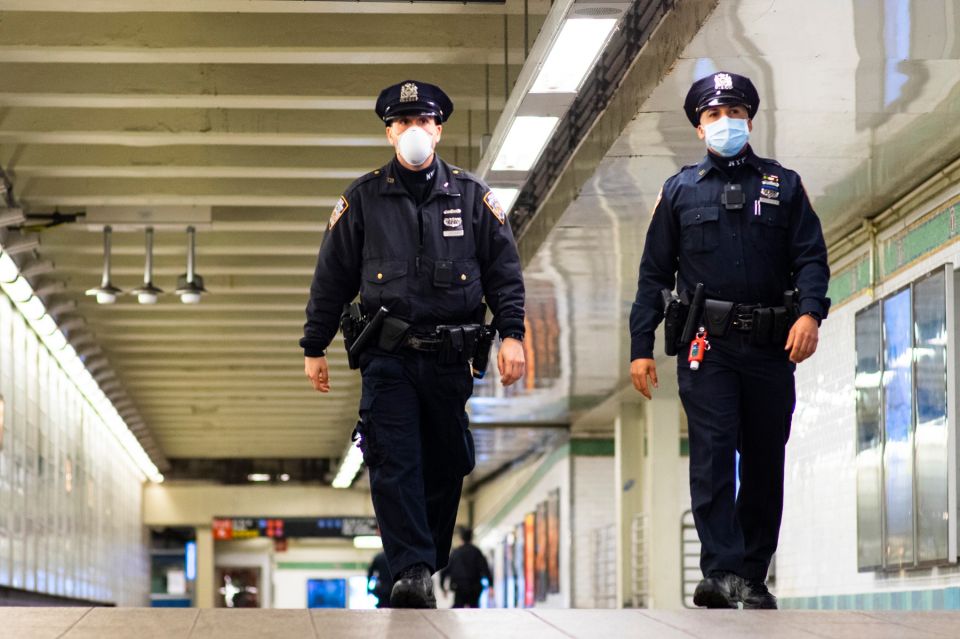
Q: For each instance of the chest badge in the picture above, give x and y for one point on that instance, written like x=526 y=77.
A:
x=454 y=226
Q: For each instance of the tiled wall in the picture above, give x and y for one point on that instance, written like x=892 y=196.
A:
x=70 y=498
x=593 y=507
x=816 y=565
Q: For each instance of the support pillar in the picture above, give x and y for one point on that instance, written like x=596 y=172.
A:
x=206 y=572
x=628 y=484
x=666 y=481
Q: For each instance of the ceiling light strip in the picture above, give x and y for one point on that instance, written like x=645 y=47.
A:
x=31 y=307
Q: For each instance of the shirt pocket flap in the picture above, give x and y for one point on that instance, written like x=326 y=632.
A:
x=465 y=271
x=699 y=216
x=383 y=271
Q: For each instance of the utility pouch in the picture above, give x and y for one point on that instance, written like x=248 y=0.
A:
x=781 y=325
x=762 y=332
x=443 y=273
x=457 y=344
x=717 y=317
x=392 y=334
x=792 y=304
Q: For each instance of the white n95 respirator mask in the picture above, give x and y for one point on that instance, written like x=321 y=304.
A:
x=415 y=145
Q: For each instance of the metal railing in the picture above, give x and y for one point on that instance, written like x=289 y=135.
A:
x=689 y=558
x=640 y=573
x=603 y=545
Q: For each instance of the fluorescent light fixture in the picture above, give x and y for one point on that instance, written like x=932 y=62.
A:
x=258 y=477
x=8 y=268
x=506 y=196
x=572 y=55
x=45 y=326
x=31 y=307
x=349 y=467
x=368 y=542
x=19 y=290
x=524 y=142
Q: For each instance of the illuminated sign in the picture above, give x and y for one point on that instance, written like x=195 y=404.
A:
x=226 y=529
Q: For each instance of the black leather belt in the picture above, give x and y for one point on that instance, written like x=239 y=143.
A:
x=427 y=344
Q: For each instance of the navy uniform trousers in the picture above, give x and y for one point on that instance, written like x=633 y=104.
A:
x=417 y=446
x=742 y=400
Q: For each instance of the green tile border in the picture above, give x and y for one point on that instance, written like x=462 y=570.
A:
x=932 y=232
x=592 y=447
x=938 y=599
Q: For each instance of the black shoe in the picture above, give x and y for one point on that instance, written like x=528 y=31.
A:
x=413 y=588
x=756 y=596
x=719 y=590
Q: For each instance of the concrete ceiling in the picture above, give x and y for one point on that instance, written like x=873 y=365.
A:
x=257 y=114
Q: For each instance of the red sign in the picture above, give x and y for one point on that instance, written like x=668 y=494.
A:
x=222 y=529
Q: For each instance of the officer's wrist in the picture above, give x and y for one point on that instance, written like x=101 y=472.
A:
x=512 y=335
x=816 y=316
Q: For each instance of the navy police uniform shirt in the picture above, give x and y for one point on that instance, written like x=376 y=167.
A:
x=429 y=264
x=749 y=255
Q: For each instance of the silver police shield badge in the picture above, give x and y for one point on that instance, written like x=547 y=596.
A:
x=722 y=82
x=408 y=92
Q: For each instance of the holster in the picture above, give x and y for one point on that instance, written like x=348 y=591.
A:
x=481 y=352
x=352 y=323
x=674 y=317
x=717 y=317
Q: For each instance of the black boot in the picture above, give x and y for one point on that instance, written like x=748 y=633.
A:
x=755 y=595
x=719 y=590
x=413 y=588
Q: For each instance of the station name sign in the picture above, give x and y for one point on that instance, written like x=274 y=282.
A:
x=229 y=528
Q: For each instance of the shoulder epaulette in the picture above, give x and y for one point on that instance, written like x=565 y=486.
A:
x=364 y=178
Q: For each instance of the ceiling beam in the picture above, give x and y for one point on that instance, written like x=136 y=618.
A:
x=299 y=7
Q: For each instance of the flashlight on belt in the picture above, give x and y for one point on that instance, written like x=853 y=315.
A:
x=698 y=348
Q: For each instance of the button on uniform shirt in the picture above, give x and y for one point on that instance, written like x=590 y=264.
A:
x=382 y=243
x=750 y=255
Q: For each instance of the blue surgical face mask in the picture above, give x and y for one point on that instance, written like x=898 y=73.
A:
x=727 y=136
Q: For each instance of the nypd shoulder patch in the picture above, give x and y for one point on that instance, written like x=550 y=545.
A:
x=338 y=211
x=495 y=207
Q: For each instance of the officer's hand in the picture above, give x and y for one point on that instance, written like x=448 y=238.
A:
x=511 y=361
x=316 y=369
x=803 y=338
x=640 y=369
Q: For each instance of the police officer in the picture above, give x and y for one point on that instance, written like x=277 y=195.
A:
x=427 y=241
x=743 y=227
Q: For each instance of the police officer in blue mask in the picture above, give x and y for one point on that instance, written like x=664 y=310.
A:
x=424 y=243
x=737 y=236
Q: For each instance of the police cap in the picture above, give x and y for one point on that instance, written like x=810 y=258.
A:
x=717 y=89
x=411 y=97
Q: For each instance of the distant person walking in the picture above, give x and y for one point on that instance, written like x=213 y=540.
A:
x=466 y=571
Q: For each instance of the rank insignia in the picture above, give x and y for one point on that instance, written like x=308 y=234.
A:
x=408 y=92
x=495 y=207
x=338 y=211
x=722 y=82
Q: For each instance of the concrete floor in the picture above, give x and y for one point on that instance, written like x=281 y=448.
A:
x=146 y=623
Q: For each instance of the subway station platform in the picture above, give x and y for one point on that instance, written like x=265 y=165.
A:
x=142 y=623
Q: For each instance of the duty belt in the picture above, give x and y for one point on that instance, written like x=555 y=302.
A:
x=425 y=343
x=743 y=317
